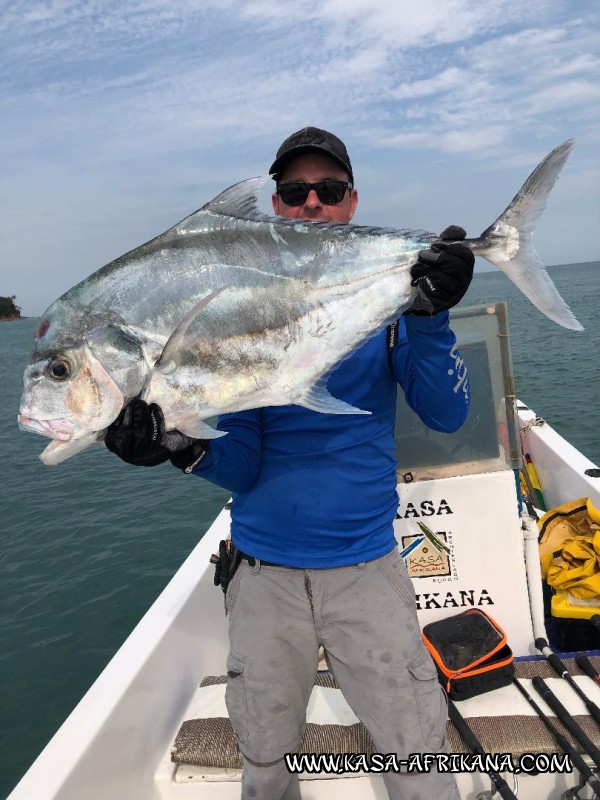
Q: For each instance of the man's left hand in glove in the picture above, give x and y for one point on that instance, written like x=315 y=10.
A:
x=442 y=273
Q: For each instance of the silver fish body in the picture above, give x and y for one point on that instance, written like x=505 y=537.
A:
x=231 y=309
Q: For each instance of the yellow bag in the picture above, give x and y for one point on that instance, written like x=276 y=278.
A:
x=570 y=549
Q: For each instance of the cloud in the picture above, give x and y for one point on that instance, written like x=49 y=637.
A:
x=148 y=108
x=469 y=140
x=449 y=79
x=370 y=62
x=563 y=95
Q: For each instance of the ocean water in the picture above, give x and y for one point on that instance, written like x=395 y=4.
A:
x=88 y=545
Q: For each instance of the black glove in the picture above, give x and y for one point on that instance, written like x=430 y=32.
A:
x=442 y=273
x=190 y=456
x=138 y=437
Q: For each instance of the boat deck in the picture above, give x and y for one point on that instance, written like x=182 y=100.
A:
x=203 y=760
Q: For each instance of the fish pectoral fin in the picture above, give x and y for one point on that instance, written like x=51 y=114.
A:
x=198 y=429
x=319 y=399
x=168 y=358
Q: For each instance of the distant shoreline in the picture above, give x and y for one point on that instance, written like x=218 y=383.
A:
x=12 y=318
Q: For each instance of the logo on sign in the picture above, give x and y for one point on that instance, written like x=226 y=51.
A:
x=426 y=554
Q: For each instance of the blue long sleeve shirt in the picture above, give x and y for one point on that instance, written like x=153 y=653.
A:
x=319 y=490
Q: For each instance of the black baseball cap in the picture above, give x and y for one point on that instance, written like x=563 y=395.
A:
x=311 y=140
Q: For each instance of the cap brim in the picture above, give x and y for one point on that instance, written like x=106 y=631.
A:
x=279 y=163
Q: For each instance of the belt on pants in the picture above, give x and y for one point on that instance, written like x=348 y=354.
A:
x=252 y=561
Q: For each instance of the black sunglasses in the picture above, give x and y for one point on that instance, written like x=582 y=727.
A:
x=330 y=193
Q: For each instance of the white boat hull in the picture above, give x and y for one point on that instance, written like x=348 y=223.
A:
x=116 y=743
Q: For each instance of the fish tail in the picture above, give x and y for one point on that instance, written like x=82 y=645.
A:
x=507 y=243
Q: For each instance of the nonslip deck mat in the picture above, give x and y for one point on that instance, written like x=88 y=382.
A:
x=529 y=669
x=211 y=742
x=324 y=679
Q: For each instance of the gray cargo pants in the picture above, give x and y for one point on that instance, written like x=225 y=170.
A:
x=365 y=618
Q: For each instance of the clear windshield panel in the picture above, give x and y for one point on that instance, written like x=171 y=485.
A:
x=487 y=442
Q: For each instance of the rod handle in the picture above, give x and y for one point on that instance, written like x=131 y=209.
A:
x=586 y=773
x=554 y=661
x=585 y=665
x=474 y=745
x=567 y=720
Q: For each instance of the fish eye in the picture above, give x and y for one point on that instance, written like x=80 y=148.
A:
x=58 y=369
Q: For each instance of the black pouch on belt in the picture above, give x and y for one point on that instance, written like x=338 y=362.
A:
x=226 y=563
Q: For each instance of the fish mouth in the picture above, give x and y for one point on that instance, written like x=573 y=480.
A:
x=60 y=429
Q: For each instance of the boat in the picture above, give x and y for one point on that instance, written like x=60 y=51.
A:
x=153 y=725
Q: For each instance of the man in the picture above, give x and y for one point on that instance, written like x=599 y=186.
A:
x=314 y=499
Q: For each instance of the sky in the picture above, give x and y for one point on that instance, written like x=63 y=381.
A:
x=119 y=119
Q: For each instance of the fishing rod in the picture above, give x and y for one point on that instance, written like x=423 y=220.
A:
x=475 y=746
x=530 y=496
x=535 y=483
x=560 y=669
x=585 y=665
x=529 y=505
x=566 y=719
x=586 y=772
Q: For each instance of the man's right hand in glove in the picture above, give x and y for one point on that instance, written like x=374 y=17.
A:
x=138 y=437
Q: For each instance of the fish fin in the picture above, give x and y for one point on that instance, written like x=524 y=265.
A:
x=319 y=399
x=57 y=451
x=507 y=243
x=198 y=429
x=239 y=200
x=167 y=359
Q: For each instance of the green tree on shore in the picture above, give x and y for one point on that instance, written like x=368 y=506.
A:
x=8 y=307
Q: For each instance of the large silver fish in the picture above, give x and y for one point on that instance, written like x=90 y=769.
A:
x=231 y=309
